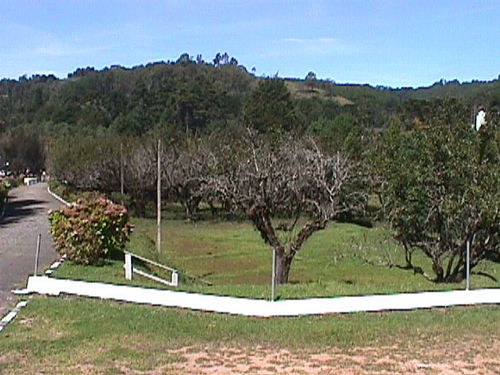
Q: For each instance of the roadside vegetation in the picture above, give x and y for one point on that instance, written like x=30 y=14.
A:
x=4 y=192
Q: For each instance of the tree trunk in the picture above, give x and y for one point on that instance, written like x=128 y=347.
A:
x=438 y=270
x=283 y=265
x=455 y=277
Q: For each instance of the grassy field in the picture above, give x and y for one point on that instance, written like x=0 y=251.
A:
x=68 y=335
x=344 y=259
x=84 y=336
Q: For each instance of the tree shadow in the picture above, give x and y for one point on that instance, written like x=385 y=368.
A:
x=19 y=209
x=116 y=254
x=484 y=274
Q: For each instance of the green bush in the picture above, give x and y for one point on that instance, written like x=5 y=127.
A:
x=12 y=182
x=90 y=229
x=3 y=197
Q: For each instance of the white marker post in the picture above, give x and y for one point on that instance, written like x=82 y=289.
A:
x=37 y=254
x=467 y=266
x=273 y=276
x=128 y=266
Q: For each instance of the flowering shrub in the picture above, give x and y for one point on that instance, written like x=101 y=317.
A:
x=89 y=229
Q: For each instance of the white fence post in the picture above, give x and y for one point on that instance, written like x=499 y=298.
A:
x=130 y=270
x=128 y=266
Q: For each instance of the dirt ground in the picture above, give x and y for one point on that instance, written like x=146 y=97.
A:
x=457 y=358
x=450 y=358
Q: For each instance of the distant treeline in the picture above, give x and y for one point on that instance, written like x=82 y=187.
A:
x=194 y=97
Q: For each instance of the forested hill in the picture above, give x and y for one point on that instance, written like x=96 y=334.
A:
x=198 y=97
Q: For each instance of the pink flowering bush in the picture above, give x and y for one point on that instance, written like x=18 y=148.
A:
x=90 y=229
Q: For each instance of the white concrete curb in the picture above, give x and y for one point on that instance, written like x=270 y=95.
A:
x=58 y=197
x=262 y=308
x=54 y=266
x=10 y=316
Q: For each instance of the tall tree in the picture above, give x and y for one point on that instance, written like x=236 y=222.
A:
x=23 y=150
x=270 y=108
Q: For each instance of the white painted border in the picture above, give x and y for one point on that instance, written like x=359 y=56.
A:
x=58 y=197
x=262 y=308
x=11 y=315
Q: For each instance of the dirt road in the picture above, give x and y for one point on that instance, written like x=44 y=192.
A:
x=25 y=217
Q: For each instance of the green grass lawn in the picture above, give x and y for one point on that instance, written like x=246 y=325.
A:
x=77 y=335
x=69 y=335
x=233 y=257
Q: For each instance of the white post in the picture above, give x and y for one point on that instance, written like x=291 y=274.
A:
x=175 y=278
x=158 y=198
x=273 y=276
x=37 y=254
x=467 y=268
x=128 y=266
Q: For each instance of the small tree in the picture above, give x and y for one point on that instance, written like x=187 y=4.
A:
x=288 y=191
x=441 y=187
x=310 y=80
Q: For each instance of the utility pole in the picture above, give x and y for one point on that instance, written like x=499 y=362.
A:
x=158 y=200
x=121 y=170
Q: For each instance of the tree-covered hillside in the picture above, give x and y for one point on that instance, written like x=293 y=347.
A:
x=194 y=95
x=191 y=96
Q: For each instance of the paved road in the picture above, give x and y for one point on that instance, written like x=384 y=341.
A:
x=25 y=217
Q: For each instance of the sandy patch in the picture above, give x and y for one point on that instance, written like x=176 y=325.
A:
x=9 y=357
x=453 y=358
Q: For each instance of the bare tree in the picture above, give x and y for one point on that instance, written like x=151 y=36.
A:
x=140 y=172
x=185 y=172
x=288 y=192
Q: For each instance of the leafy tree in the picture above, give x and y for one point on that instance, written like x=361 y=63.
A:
x=311 y=76
x=270 y=108
x=311 y=80
x=224 y=59
x=343 y=133
x=441 y=185
x=23 y=150
x=184 y=59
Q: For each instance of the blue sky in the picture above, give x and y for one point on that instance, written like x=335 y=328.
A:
x=392 y=43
